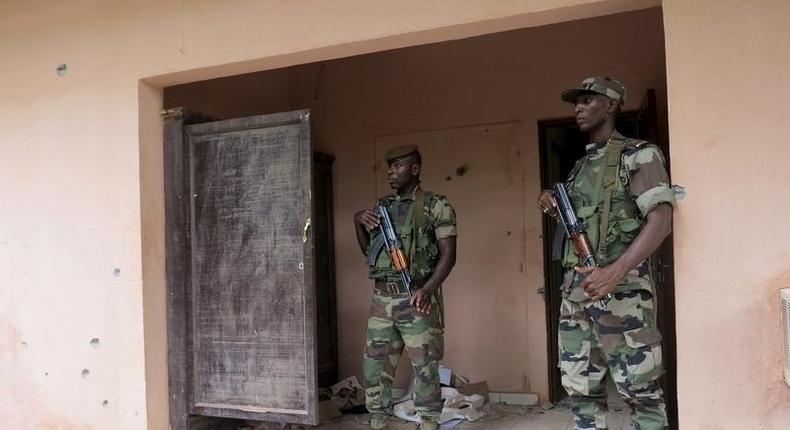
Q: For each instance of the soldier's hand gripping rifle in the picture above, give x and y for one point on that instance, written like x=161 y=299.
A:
x=573 y=226
x=390 y=240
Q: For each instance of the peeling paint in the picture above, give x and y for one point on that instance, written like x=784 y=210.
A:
x=94 y=343
x=85 y=373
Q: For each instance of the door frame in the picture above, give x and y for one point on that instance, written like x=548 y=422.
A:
x=177 y=262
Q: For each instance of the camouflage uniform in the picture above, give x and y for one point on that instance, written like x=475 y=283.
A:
x=619 y=333
x=394 y=324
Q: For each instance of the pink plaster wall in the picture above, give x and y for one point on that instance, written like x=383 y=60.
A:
x=73 y=151
x=80 y=162
x=509 y=77
x=731 y=259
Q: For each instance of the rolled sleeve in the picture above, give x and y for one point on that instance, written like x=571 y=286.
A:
x=649 y=182
x=443 y=219
x=653 y=197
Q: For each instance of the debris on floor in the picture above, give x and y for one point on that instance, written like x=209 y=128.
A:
x=496 y=416
x=347 y=396
x=349 y=393
x=480 y=388
x=462 y=401
x=457 y=407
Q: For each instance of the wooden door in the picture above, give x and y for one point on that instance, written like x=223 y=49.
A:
x=240 y=255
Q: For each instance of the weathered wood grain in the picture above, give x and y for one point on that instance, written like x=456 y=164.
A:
x=246 y=299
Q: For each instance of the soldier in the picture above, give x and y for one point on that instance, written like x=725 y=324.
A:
x=621 y=192
x=425 y=222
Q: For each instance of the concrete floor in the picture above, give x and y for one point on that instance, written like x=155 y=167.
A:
x=505 y=417
x=499 y=417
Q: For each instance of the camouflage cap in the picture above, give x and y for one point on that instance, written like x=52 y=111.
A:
x=604 y=85
x=400 y=152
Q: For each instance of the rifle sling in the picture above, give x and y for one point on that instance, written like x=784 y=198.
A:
x=416 y=217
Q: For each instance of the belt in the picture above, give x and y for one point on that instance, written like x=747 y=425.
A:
x=395 y=288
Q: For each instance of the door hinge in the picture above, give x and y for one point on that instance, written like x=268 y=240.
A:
x=172 y=113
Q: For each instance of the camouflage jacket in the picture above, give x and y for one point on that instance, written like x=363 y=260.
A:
x=438 y=223
x=641 y=185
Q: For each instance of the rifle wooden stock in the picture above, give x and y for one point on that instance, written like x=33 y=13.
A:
x=583 y=248
x=398 y=259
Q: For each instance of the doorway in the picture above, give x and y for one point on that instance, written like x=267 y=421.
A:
x=445 y=95
x=561 y=144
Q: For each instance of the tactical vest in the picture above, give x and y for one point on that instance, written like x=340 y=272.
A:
x=409 y=221
x=598 y=189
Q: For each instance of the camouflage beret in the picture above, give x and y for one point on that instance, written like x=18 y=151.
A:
x=603 y=85
x=400 y=152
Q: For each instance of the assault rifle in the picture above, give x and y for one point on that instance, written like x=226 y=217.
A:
x=574 y=227
x=390 y=240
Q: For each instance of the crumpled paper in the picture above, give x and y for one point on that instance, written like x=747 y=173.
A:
x=457 y=408
x=348 y=394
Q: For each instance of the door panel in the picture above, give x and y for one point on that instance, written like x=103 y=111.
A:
x=250 y=319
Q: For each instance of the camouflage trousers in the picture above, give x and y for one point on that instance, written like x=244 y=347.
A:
x=392 y=325
x=620 y=338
